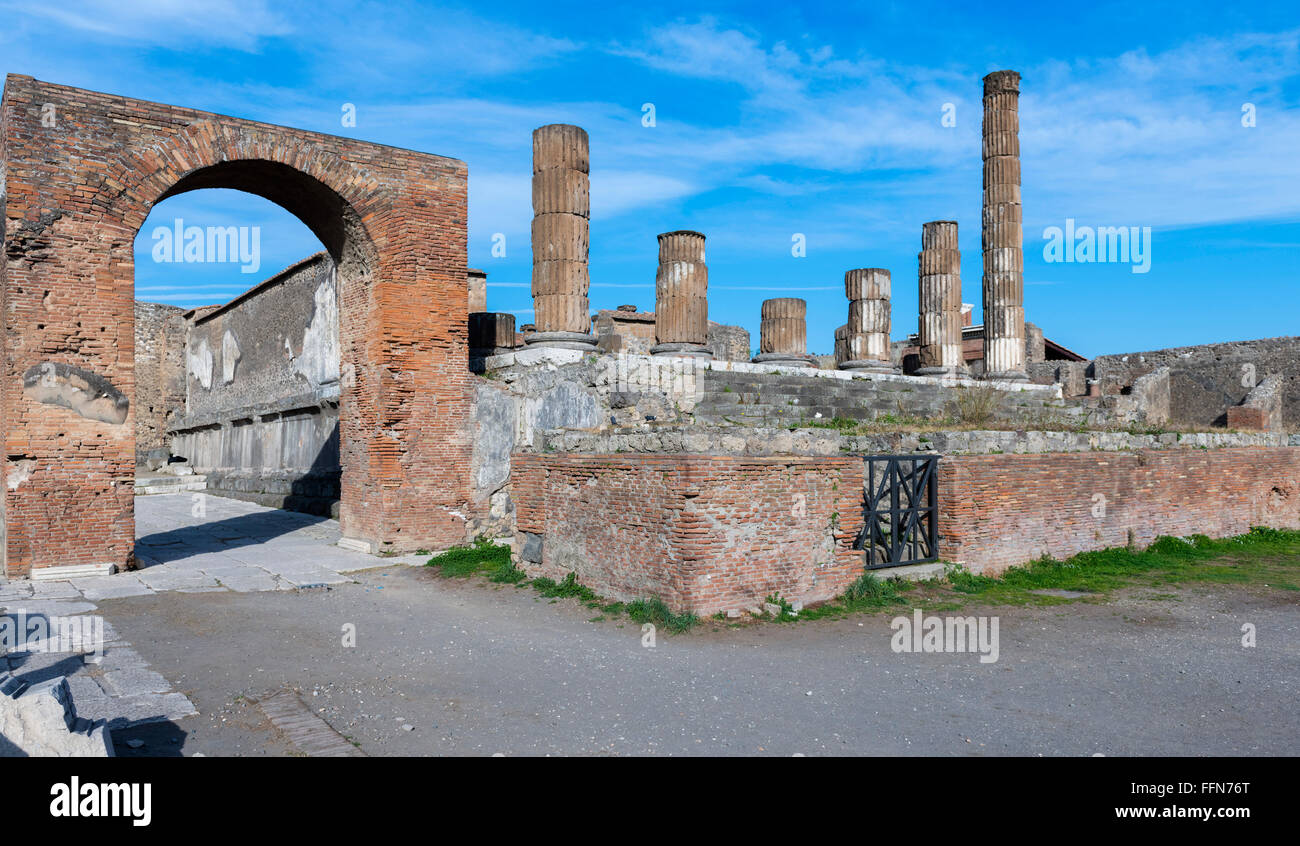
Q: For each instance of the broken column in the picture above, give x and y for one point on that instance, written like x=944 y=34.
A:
x=940 y=319
x=841 y=344
x=783 y=333
x=866 y=338
x=681 y=296
x=561 y=231
x=1004 y=262
x=491 y=333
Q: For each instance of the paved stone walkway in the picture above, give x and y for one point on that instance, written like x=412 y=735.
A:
x=232 y=545
x=189 y=543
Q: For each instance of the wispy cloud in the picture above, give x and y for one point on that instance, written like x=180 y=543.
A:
x=176 y=24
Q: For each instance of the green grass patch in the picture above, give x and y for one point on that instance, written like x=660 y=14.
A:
x=1264 y=557
x=568 y=587
x=481 y=557
x=653 y=610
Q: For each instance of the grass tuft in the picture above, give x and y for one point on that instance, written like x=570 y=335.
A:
x=653 y=610
x=482 y=556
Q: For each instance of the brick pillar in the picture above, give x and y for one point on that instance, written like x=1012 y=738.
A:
x=561 y=233
x=866 y=339
x=783 y=333
x=682 y=296
x=939 y=274
x=1004 y=261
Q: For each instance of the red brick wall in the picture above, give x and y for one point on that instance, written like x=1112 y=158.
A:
x=1000 y=510
x=703 y=533
x=77 y=194
x=712 y=533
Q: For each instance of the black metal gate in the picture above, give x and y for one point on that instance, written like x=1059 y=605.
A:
x=902 y=512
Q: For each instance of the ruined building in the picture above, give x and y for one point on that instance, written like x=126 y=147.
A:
x=654 y=452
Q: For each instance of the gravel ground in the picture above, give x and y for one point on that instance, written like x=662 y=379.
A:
x=446 y=667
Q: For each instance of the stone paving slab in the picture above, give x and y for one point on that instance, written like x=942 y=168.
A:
x=167 y=577
x=133 y=681
x=111 y=587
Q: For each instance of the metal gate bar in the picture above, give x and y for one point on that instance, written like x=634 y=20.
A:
x=900 y=495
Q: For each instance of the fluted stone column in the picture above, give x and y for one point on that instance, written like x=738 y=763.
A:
x=561 y=232
x=682 y=296
x=939 y=275
x=867 y=337
x=841 y=344
x=783 y=333
x=1004 y=261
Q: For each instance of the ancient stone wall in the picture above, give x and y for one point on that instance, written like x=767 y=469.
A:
x=277 y=340
x=262 y=389
x=1000 y=510
x=630 y=331
x=160 y=332
x=1205 y=381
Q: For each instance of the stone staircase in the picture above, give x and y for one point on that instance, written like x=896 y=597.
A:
x=147 y=485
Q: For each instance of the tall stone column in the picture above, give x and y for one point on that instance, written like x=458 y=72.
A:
x=939 y=275
x=783 y=333
x=1004 y=261
x=682 y=296
x=866 y=339
x=561 y=233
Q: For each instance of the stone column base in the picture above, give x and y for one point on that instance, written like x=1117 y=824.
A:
x=871 y=365
x=677 y=348
x=787 y=359
x=1007 y=376
x=946 y=372
x=580 y=341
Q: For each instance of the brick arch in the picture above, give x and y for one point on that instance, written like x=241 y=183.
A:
x=394 y=221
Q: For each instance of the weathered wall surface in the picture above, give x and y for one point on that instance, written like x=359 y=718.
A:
x=1206 y=380
x=703 y=533
x=160 y=332
x=279 y=339
x=712 y=533
x=262 y=388
x=79 y=188
x=1000 y=510
x=630 y=331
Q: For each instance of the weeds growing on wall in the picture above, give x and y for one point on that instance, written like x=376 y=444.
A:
x=976 y=404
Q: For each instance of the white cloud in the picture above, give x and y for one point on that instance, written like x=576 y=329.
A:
x=166 y=23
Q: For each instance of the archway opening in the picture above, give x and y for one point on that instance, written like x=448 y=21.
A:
x=241 y=272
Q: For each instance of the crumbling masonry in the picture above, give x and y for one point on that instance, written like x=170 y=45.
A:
x=370 y=380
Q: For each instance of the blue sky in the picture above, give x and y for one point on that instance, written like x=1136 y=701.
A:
x=770 y=121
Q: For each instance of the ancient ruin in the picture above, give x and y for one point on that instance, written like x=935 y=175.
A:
x=784 y=333
x=645 y=452
x=681 y=296
x=939 y=332
x=1004 y=261
x=866 y=335
x=561 y=233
